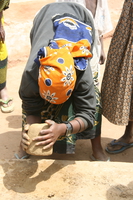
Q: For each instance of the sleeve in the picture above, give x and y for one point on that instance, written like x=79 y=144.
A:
x=32 y=103
x=41 y=32
x=84 y=99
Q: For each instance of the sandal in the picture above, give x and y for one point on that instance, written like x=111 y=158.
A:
x=123 y=147
x=6 y=109
x=95 y=159
x=23 y=157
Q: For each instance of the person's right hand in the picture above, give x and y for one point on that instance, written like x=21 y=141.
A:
x=25 y=138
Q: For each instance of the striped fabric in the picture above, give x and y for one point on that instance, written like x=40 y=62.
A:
x=4 y=4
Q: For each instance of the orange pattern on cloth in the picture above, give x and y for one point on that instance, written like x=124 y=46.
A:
x=57 y=75
x=69 y=49
x=78 y=49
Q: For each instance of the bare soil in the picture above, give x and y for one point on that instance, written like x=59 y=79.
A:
x=60 y=177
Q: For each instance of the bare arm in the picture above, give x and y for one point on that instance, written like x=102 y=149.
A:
x=2 y=31
x=91 y=5
x=49 y=136
x=102 y=56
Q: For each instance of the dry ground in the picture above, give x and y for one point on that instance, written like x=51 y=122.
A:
x=59 y=177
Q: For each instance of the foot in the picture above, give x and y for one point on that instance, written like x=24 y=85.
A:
x=21 y=154
x=99 y=155
x=117 y=146
x=6 y=101
x=97 y=149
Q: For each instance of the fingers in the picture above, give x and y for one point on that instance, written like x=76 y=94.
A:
x=42 y=140
x=25 y=141
x=48 y=146
x=25 y=136
x=43 y=143
x=24 y=146
x=26 y=127
x=49 y=130
x=50 y=122
x=46 y=139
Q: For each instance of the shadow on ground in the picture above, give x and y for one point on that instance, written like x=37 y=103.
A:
x=120 y=192
x=23 y=177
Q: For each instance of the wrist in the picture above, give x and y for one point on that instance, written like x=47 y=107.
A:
x=68 y=128
x=63 y=129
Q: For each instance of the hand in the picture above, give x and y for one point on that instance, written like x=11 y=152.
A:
x=25 y=138
x=49 y=136
x=102 y=58
x=2 y=34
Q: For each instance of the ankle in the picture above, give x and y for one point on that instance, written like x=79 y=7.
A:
x=4 y=93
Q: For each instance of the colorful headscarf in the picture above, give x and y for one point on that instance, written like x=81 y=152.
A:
x=57 y=75
x=69 y=48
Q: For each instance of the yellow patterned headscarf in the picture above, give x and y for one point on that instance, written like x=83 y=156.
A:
x=57 y=75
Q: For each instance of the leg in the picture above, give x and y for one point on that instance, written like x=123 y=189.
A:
x=6 y=103
x=97 y=149
x=98 y=153
x=128 y=135
x=5 y=98
x=21 y=154
x=124 y=142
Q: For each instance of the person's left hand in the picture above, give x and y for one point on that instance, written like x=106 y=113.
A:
x=49 y=136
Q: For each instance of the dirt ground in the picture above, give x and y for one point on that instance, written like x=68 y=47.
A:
x=62 y=177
